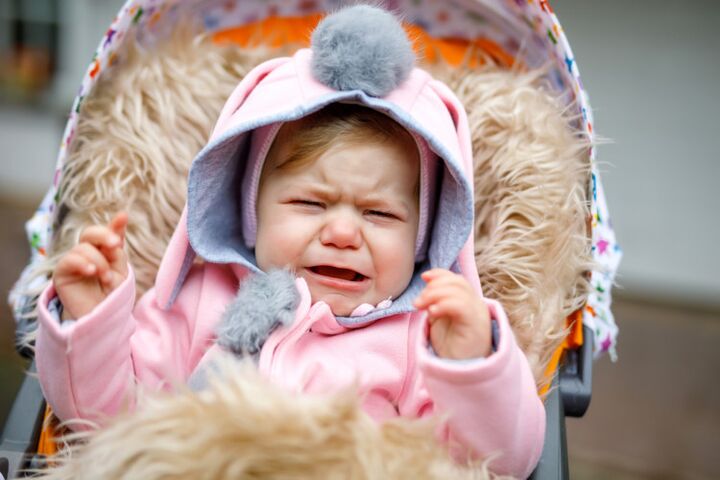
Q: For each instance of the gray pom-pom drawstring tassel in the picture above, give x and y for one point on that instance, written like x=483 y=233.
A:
x=263 y=302
x=361 y=48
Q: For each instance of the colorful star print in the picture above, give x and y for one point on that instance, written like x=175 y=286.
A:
x=606 y=344
x=109 y=37
x=602 y=246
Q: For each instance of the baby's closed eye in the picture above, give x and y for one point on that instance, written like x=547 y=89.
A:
x=304 y=202
x=382 y=214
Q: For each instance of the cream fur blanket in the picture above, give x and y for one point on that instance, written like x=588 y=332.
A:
x=242 y=427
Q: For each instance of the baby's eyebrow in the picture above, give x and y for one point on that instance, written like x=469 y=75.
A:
x=324 y=191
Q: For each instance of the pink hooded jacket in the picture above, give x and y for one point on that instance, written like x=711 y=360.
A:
x=89 y=368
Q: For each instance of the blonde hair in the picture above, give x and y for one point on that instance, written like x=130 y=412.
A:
x=301 y=142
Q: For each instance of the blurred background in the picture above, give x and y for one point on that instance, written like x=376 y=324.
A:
x=652 y=70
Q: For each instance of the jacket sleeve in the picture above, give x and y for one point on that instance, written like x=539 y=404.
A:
x=489 y=406
x=89 y=368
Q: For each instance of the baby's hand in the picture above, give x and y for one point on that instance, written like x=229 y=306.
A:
x=459 y=319
x=93 y=268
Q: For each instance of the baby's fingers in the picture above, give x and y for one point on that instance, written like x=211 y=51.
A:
x=72 y=265
x=433 y=294
x=100 y=236
x=436 y=273
x=438 y=277
x=97 y=259
x=116 y=255
x=118 y=224
x=448 y=308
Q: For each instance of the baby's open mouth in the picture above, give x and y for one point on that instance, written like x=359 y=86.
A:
x=336 y=272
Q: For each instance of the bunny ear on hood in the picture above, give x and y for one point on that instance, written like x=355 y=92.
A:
x=179 y=255
x=360 y=55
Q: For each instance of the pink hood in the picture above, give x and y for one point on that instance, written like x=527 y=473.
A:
x=285 y=89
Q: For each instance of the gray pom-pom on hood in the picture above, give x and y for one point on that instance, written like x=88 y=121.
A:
x=361 y=48
x=263 y=302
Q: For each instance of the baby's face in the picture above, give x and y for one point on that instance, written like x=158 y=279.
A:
x=346 y=223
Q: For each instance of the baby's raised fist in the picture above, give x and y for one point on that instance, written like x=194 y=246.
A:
x=459 y=318
x=93 y=268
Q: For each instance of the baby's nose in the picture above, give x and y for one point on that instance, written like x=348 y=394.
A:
x=341 y=231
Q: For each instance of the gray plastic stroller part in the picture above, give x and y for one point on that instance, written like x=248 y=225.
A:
x=576 y=377
x=24 y=327
x=569 y=397
x=21 y=431
x=25 y=324
x=553 y=461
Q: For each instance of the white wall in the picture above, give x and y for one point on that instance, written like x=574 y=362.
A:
x=652 y=69
x=29 y=142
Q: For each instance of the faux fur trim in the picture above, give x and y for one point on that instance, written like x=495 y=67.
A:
x=264 y=302
x=252 y=429
x=142 y=125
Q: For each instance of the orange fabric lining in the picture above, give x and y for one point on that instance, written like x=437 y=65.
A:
x=277 y=31
x=573 y=340
x=46 y=444
x=272 y=31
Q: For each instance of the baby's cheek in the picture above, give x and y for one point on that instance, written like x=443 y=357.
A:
x=269 y=252
x=395 y=263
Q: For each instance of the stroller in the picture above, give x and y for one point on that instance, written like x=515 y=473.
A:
x=467 y=35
